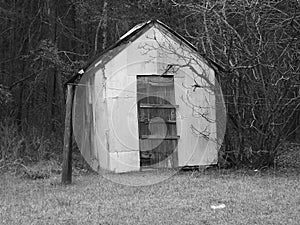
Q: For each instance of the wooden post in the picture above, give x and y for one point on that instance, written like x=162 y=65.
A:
x=66 y=177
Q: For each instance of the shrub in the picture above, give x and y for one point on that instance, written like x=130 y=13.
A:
x=31 y=145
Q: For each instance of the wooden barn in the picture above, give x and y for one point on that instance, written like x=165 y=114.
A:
x=147 y=101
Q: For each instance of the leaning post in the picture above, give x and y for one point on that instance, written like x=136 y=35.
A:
x=66 y=177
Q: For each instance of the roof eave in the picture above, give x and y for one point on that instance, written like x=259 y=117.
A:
x=215 y=66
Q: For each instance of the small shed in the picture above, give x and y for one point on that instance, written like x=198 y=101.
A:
x=147 y=101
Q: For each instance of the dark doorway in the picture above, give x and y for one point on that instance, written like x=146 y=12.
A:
x=157 y=121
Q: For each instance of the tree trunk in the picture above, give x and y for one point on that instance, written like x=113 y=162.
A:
x=52 y=72
x=67 y=154
x=102 y=24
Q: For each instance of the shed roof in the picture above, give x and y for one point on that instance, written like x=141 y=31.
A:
x=130 y=36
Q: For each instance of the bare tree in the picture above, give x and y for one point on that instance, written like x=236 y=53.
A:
x=257 y=45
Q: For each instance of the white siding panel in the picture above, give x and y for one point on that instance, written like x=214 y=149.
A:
x=193 y=148
x=100 y=116
x=142 y=55
x=122 y=107
x=124 y=161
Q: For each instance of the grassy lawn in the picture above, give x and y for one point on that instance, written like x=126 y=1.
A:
x=185 y=198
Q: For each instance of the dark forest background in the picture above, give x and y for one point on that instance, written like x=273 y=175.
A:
x=255 y=43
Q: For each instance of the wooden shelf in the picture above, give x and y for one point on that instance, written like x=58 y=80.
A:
x=153 y=137
x=156 y=106
x=165 y=121
x=170 y=121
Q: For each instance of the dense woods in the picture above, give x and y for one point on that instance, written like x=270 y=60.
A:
x=256 y=45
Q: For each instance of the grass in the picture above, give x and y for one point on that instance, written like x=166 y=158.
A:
x=185 y=198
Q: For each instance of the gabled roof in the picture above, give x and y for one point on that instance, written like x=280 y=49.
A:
x=130 y=36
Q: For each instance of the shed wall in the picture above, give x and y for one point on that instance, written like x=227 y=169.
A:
x=121 y=88
x=101 y=143
x=84 y=121
x=116 y=119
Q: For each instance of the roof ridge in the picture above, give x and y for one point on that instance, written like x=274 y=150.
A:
x=133 y=31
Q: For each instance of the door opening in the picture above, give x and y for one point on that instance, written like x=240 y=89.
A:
x=157 y=121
